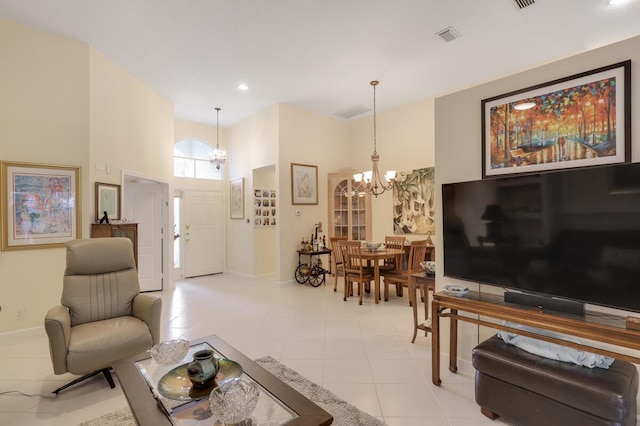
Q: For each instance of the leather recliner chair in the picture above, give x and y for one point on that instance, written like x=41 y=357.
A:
x=103 y=316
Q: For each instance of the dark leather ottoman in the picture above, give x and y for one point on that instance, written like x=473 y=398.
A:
x=530 y=390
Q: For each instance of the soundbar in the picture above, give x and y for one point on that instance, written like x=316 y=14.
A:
x=545 y=303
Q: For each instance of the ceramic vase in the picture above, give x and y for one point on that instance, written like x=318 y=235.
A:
x=203 y=369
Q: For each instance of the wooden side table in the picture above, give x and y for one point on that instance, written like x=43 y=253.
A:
x=428 y=284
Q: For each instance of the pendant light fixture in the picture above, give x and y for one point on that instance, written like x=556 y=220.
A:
x=218 y=157
x=374 y=184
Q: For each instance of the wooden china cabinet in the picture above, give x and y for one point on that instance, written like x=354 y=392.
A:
x=349 y=208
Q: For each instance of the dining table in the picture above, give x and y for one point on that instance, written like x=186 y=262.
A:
x=375 y=257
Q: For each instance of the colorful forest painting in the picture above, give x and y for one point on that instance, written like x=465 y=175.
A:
x=577 y=123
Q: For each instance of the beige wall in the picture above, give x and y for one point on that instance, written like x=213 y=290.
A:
x=44 y=118
x=252 y=144
x=131 y=125
x=405 y=141
x=65 y=103
x=458 y=135
x=265 y=237
x=305 y=138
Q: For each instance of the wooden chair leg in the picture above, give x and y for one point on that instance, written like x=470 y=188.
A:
x=346 y=289
x=386 y=291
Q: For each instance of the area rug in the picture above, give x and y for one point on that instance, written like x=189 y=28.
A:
x=344 y=414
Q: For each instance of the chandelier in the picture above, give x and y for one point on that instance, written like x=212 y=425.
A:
x=218 y=157
x=374 y=184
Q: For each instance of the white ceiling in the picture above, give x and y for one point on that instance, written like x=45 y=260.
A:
x=320 y=55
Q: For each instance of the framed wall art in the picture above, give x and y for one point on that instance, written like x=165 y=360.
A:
x=577 y=121
x=237 y=198
x=304 y=184
x=107 y=201
x=265 y=207
x=414 y=204
x=40 y=205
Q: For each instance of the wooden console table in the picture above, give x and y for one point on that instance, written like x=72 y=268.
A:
x=596 y=326
x=107 y=230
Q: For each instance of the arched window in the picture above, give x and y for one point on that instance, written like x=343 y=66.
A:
x=191 y=159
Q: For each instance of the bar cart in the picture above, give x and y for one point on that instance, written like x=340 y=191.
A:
x=313 y=272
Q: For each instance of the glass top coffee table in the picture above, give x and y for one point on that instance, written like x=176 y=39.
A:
x=278 y=402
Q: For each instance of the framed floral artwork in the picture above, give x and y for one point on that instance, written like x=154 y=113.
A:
x=40 y=205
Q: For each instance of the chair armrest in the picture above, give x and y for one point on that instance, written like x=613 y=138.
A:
x=57 y=324
x=148 y=307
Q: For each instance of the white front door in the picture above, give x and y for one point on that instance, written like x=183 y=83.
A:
x=203 y=232
x=145 y=204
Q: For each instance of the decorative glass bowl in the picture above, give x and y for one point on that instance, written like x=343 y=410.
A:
x=371 y=246
x=235 y=402
x=428 y=266
x=170 y=351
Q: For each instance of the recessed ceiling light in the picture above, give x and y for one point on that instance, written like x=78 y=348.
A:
x=243 y=87
x=616 y=2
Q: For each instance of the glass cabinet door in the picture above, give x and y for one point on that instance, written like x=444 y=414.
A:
x=349 y=209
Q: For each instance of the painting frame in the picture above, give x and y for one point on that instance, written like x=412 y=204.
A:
x=304 y=184
x=40 y=205
x=264 y=208
x=577 y=121
x=108 y=200
x=236 y=198
x=414 y=202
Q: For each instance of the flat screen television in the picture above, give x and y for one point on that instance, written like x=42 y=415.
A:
x=572 y=234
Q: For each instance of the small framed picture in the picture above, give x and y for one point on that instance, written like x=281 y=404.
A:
x=304 y=184
x=107 y=201
x=237 y=198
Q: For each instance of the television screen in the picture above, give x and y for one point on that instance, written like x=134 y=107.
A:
x=572 y=234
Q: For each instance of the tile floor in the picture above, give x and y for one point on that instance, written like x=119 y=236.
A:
x=361 y=353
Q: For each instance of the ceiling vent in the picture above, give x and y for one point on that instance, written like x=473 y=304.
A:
x=524 y=3
x=448 y=34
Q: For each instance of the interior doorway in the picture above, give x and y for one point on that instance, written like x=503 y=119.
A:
x=146 y=203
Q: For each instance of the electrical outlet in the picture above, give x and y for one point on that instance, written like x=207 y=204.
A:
x=19 y=314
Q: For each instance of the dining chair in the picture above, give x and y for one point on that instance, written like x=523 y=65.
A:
x=354 y=268
x=394 y=262
x=337 y=258
x=401 y=277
